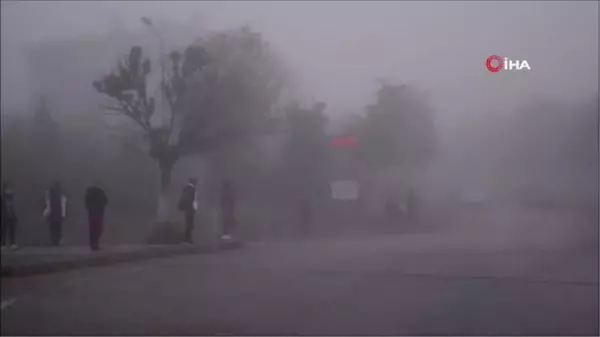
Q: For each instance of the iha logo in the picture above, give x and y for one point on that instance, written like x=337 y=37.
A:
x=496 y=63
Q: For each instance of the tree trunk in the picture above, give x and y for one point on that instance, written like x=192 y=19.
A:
x=166 y=168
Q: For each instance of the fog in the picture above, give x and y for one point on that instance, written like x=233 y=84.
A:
x=338 y=49
x=336 y=52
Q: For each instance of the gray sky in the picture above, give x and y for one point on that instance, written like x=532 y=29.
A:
x=338 y=49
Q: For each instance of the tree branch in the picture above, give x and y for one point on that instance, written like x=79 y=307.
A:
x=116 y=110
x=129 y=111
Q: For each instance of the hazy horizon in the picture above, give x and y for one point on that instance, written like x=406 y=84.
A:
x=337 y=50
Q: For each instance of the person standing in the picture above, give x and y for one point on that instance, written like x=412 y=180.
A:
x=188 y=205
x=228 y=220
x=95 y=203
x=9 y=218
x=55 y=212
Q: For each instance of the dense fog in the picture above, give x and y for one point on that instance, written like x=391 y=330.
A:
x=271 y=84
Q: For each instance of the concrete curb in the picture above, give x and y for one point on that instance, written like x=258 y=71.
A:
x=116 y=258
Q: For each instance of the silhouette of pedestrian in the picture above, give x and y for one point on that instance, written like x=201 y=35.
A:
x=55 y=212
x=228 y=220
x=9 y=218
x=188 y=204
x=95 y=203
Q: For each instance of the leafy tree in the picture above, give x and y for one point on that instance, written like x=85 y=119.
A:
x=305 y=151
x=548 y=133
x=45 y=144
x=219 y=90
x=45 y=129
x=15 y=147
x=552 y=151
x=398 y=130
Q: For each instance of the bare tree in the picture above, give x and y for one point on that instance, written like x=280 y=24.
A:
x=219 y=90
x=398 y=130
x=306 y=156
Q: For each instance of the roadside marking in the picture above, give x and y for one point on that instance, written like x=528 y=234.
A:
x=7 y=303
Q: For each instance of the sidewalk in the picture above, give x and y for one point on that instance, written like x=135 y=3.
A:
x=29 y=261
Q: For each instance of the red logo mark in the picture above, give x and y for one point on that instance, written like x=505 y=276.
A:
x=489 y=63
x=344 y=141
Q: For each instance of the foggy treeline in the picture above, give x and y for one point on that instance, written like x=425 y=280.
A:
x=542 y=152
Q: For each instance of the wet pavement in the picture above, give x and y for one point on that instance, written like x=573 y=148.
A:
x=493 y=273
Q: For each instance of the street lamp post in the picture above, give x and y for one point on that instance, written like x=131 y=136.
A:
x=148 y=23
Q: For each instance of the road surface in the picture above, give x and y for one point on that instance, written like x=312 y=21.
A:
x=500 y=281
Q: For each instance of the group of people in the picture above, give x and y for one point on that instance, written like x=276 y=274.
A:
x=188 y=204
x=54 y=212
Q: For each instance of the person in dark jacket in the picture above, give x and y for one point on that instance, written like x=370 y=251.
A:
x=189 y=205
x=228 y=220
x=95 y=203
x=9 y=218
x=55 y=212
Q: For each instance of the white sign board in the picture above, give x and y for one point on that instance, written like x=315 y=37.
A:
x=344 y=190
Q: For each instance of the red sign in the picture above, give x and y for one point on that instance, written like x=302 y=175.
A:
x=346 y=141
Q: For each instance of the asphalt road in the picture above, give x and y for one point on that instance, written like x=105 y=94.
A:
x=498 y=279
